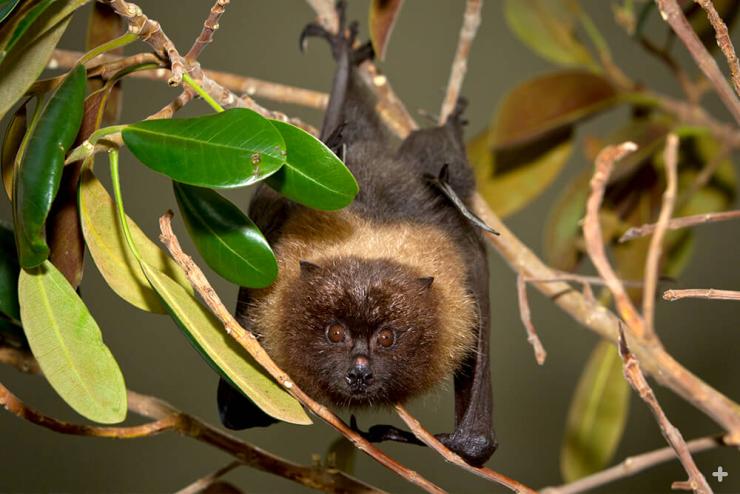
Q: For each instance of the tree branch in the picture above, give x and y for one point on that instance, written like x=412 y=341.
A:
x=106 y=66
x=709 y=293
x=204 y=483
x=471 y=21
x=427 y=438
x=326 y=480
x=673 y=436
x=249 y=342
x=210 y=25
x=678 y=223
x=675 y=17
x=652 y=264
x=525 y=314
x=723 y=41
x=634 y=465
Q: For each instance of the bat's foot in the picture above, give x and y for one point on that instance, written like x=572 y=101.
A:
x=342 y=42
x=380 y=433
x=475 y=449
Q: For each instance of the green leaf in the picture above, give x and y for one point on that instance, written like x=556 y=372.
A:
x=68 y=345
x=563 y=227
x=11 y=145
x=7 y=7
x=23 y=66
x=9 y=270
x=547 y=27
x=548 y=103
x=224 y=354
x=312 y=175
x=111 y=255
x=40 y=168
x=18 y=28
x=382 y=18
x=230 y=243
x=510 y=180
x=234 y=148
x=597 y=415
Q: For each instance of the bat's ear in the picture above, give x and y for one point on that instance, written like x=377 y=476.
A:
x=426 y=282
x=307 y=267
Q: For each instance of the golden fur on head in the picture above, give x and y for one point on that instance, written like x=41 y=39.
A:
x=321 y=237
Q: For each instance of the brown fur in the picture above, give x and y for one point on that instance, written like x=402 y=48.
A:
x=387 y=260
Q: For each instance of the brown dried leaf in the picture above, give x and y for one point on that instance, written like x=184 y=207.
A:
x=104 y=25
x=548 y=103
x=383 y=14
x=11 y=144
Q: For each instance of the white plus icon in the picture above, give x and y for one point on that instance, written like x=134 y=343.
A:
x=720 y=474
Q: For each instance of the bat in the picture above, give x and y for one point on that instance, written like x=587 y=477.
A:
x=379 y=302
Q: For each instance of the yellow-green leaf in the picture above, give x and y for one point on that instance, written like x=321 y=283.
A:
x=542 y=105
x=224 y=354
x=508 y=183
x=108 y=248
x=547 y=27
x=597 y=414
x=68 y=345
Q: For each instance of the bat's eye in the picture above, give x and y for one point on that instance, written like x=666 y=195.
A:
x=335 y=332
x=386 y=337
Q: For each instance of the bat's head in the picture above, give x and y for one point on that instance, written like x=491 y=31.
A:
x=360 y=332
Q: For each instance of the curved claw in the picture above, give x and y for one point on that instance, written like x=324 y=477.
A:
x=313 y=30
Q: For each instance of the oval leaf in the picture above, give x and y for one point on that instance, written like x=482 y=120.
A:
x=230 y=243
x=383 y=14
x=230 y=149
x=597 y=415
x=11 y=145
x=111 y=255
x=547 y=27
x=19 y=25
x=312 y=175
x=224 y=354
x=22 y=67
x=563 y=227
x=67 y=343
x=40 y=168
x=9 y=270
x=547 y=103
x=508 y=183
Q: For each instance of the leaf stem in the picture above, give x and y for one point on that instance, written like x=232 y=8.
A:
x=110 y=45
x=113 y=159
x=206 y=97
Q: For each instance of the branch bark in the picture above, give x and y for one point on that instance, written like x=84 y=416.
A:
x=210 y=25
x=471 y=21
x=723 y=41
x=678 y=223
x=709 y=293
x=326 y=480
x=636 y=379
x=675 y=17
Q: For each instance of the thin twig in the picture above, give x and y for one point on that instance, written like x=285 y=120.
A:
x=106 y=66
x=210 y=25
x=428 y=438
x=675 y=17
x=708 y=293
x=682 y=222
x=636 y=379
x=323 y=479
x=652 y=264
x=579 y=278
x=539 y=351
x=594 y=239
x=634 y=465
x=249 y=342
x=471 y=21
x=723 y=41
x=204 y=483
x=20 y=409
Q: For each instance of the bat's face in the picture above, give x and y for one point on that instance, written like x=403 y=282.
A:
x=359 y=332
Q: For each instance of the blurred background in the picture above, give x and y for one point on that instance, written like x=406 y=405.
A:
x=259 y=39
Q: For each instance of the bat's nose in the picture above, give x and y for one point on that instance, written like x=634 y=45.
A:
x=360 y=375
